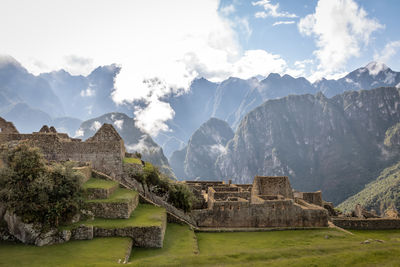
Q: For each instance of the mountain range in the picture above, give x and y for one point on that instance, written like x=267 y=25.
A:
x=319 y=134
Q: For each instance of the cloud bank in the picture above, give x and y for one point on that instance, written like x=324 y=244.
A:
x=170 y=42
x=341 y=29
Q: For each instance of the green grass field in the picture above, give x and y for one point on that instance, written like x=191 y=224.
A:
x=96 y=252
x=327 y=247
x=99 y=183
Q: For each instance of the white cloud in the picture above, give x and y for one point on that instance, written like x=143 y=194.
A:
x=388 y=51
x=77 y=65
x=88 y=92
x=283 y=22
x=153 y=116
x=227 y=10
x=139 y=147
x=119 y=124
x=79 y=133
x=217 y=149
x=258 y=62
x=171 y=42
x=341 y=29
x=271 y=10
x=96 y=125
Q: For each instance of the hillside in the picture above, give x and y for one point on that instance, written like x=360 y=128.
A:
x=334 y=145
x=378 y=195
x=197 y=159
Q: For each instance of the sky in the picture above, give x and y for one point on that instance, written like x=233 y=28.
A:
x=162 y=46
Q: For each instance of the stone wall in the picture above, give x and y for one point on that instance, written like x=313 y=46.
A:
x=7 y=127
x=312 y=197
x=145 y=237
x=367 y=224
x=86 y=172
x=272 y=185
x=242 y=213
x=105 y=150
x=113 y=210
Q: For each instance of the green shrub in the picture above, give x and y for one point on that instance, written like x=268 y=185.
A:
x=181 y=196
x=138 y=155
x=49 y=195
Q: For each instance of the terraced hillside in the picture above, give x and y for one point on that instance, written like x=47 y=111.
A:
x=117 y=213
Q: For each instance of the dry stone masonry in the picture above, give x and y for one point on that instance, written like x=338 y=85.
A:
x=105 y=150
x=268 y=202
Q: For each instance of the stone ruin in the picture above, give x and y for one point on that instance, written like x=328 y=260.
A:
x=268 y=202
x=105 y=150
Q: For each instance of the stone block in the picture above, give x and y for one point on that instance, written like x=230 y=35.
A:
x=83 y=232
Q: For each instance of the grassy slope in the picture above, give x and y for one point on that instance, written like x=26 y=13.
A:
x=280 y=248
x=133 y=160
x=96 y=252
x=378 y=194
x=99 y=183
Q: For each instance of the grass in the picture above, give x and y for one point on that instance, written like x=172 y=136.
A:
x=99 y=183
x=143 y=215
x=119 y=195
x=323 y=247
x=178 y=240
x=96 y=252
x=133 y=160
x=326 y=247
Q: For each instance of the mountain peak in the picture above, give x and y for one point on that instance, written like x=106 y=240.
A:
x=376 y=67
x=6 y=60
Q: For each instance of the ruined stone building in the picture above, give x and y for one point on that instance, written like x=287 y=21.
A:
x=268 y=202
x=105 y=150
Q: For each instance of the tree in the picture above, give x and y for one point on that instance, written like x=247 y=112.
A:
x=38 y=193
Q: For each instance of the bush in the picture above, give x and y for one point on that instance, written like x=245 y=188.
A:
x=181 y=196
x=49 y=195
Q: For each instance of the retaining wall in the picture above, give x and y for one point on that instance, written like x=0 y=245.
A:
x=367 y=224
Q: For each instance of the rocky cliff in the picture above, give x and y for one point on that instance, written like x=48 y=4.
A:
x=196 y=161
x=336 y=144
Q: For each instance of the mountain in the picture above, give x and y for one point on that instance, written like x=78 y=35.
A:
x=229 y=100
x=134 y=138
x=229 y=95
x=192 y=108
x=85 y=97
x=17 y=86
x=272 y=87
x=25 y=118
x=196 y=161
x=373 y=75
x=336 y=144
x=380 y=194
